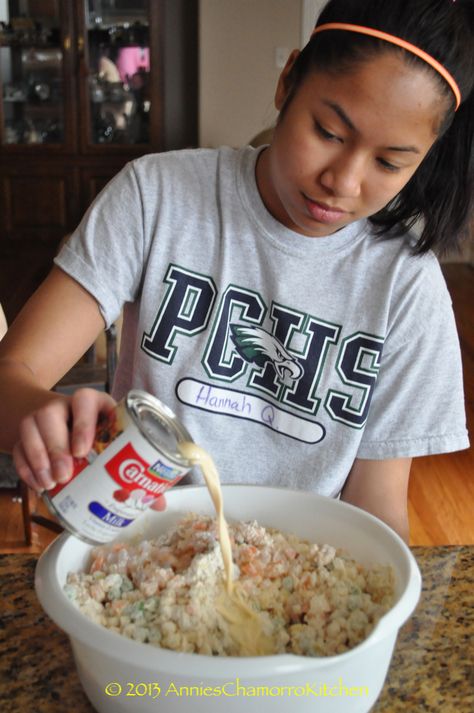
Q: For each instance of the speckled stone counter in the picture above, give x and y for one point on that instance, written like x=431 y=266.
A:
x=431 y=669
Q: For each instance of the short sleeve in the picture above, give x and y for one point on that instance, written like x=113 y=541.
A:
x=418 y=401
x=107 y=251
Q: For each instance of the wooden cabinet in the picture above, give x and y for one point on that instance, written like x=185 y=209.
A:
x=85 y=87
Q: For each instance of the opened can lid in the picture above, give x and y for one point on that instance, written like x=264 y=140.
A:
x=158 y=424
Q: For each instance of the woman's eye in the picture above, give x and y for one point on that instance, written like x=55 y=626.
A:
x=326 y=134
x=388 y=166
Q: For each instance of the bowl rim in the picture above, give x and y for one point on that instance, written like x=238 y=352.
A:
x=79 y=627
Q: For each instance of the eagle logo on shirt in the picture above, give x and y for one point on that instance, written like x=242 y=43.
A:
x=257 y=346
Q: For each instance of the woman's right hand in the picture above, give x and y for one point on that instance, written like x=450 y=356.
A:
x=53 y=435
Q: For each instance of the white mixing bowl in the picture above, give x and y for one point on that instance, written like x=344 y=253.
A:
x=120 y=675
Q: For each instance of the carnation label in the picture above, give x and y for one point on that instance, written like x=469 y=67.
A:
x=135 y=458
x=129 y=470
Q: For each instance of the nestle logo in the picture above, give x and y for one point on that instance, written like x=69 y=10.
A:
x=164 y=471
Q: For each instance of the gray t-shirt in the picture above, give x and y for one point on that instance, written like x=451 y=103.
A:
x=286 y=357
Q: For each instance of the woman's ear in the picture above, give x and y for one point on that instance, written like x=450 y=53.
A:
x=283 y=88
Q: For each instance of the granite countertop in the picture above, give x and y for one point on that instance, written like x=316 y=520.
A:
x=431 y=669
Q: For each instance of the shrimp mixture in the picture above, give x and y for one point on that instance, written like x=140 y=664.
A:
x=310 y=599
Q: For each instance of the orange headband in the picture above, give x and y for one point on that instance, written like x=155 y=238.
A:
x=401 y=43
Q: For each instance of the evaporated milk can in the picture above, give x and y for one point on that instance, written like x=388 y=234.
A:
x=135 y=458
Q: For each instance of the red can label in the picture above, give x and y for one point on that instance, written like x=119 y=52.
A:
x=131 y=471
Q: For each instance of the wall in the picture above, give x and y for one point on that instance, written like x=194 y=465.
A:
x=237 y=74
x=310 y=9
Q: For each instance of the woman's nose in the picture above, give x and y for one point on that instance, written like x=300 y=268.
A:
x=344 y=177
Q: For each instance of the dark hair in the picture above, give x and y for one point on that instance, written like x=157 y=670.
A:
x=441 y=190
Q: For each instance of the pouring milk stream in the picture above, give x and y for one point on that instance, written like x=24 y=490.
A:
x=244 y=625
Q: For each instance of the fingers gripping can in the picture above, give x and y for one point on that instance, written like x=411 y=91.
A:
x=135 y=459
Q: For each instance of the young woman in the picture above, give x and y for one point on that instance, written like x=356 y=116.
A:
x=276 y=298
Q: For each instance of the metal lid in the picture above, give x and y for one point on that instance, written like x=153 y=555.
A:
x=158 y=424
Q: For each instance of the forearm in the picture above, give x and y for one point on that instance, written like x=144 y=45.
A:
x=381 y=488
x=398 y=520
x=21 y=393
x=56 y=326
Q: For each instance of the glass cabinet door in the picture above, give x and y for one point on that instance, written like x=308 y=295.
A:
x=118 y=70
x=32 y=49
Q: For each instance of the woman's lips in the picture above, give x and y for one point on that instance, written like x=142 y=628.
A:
x=323 y=213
